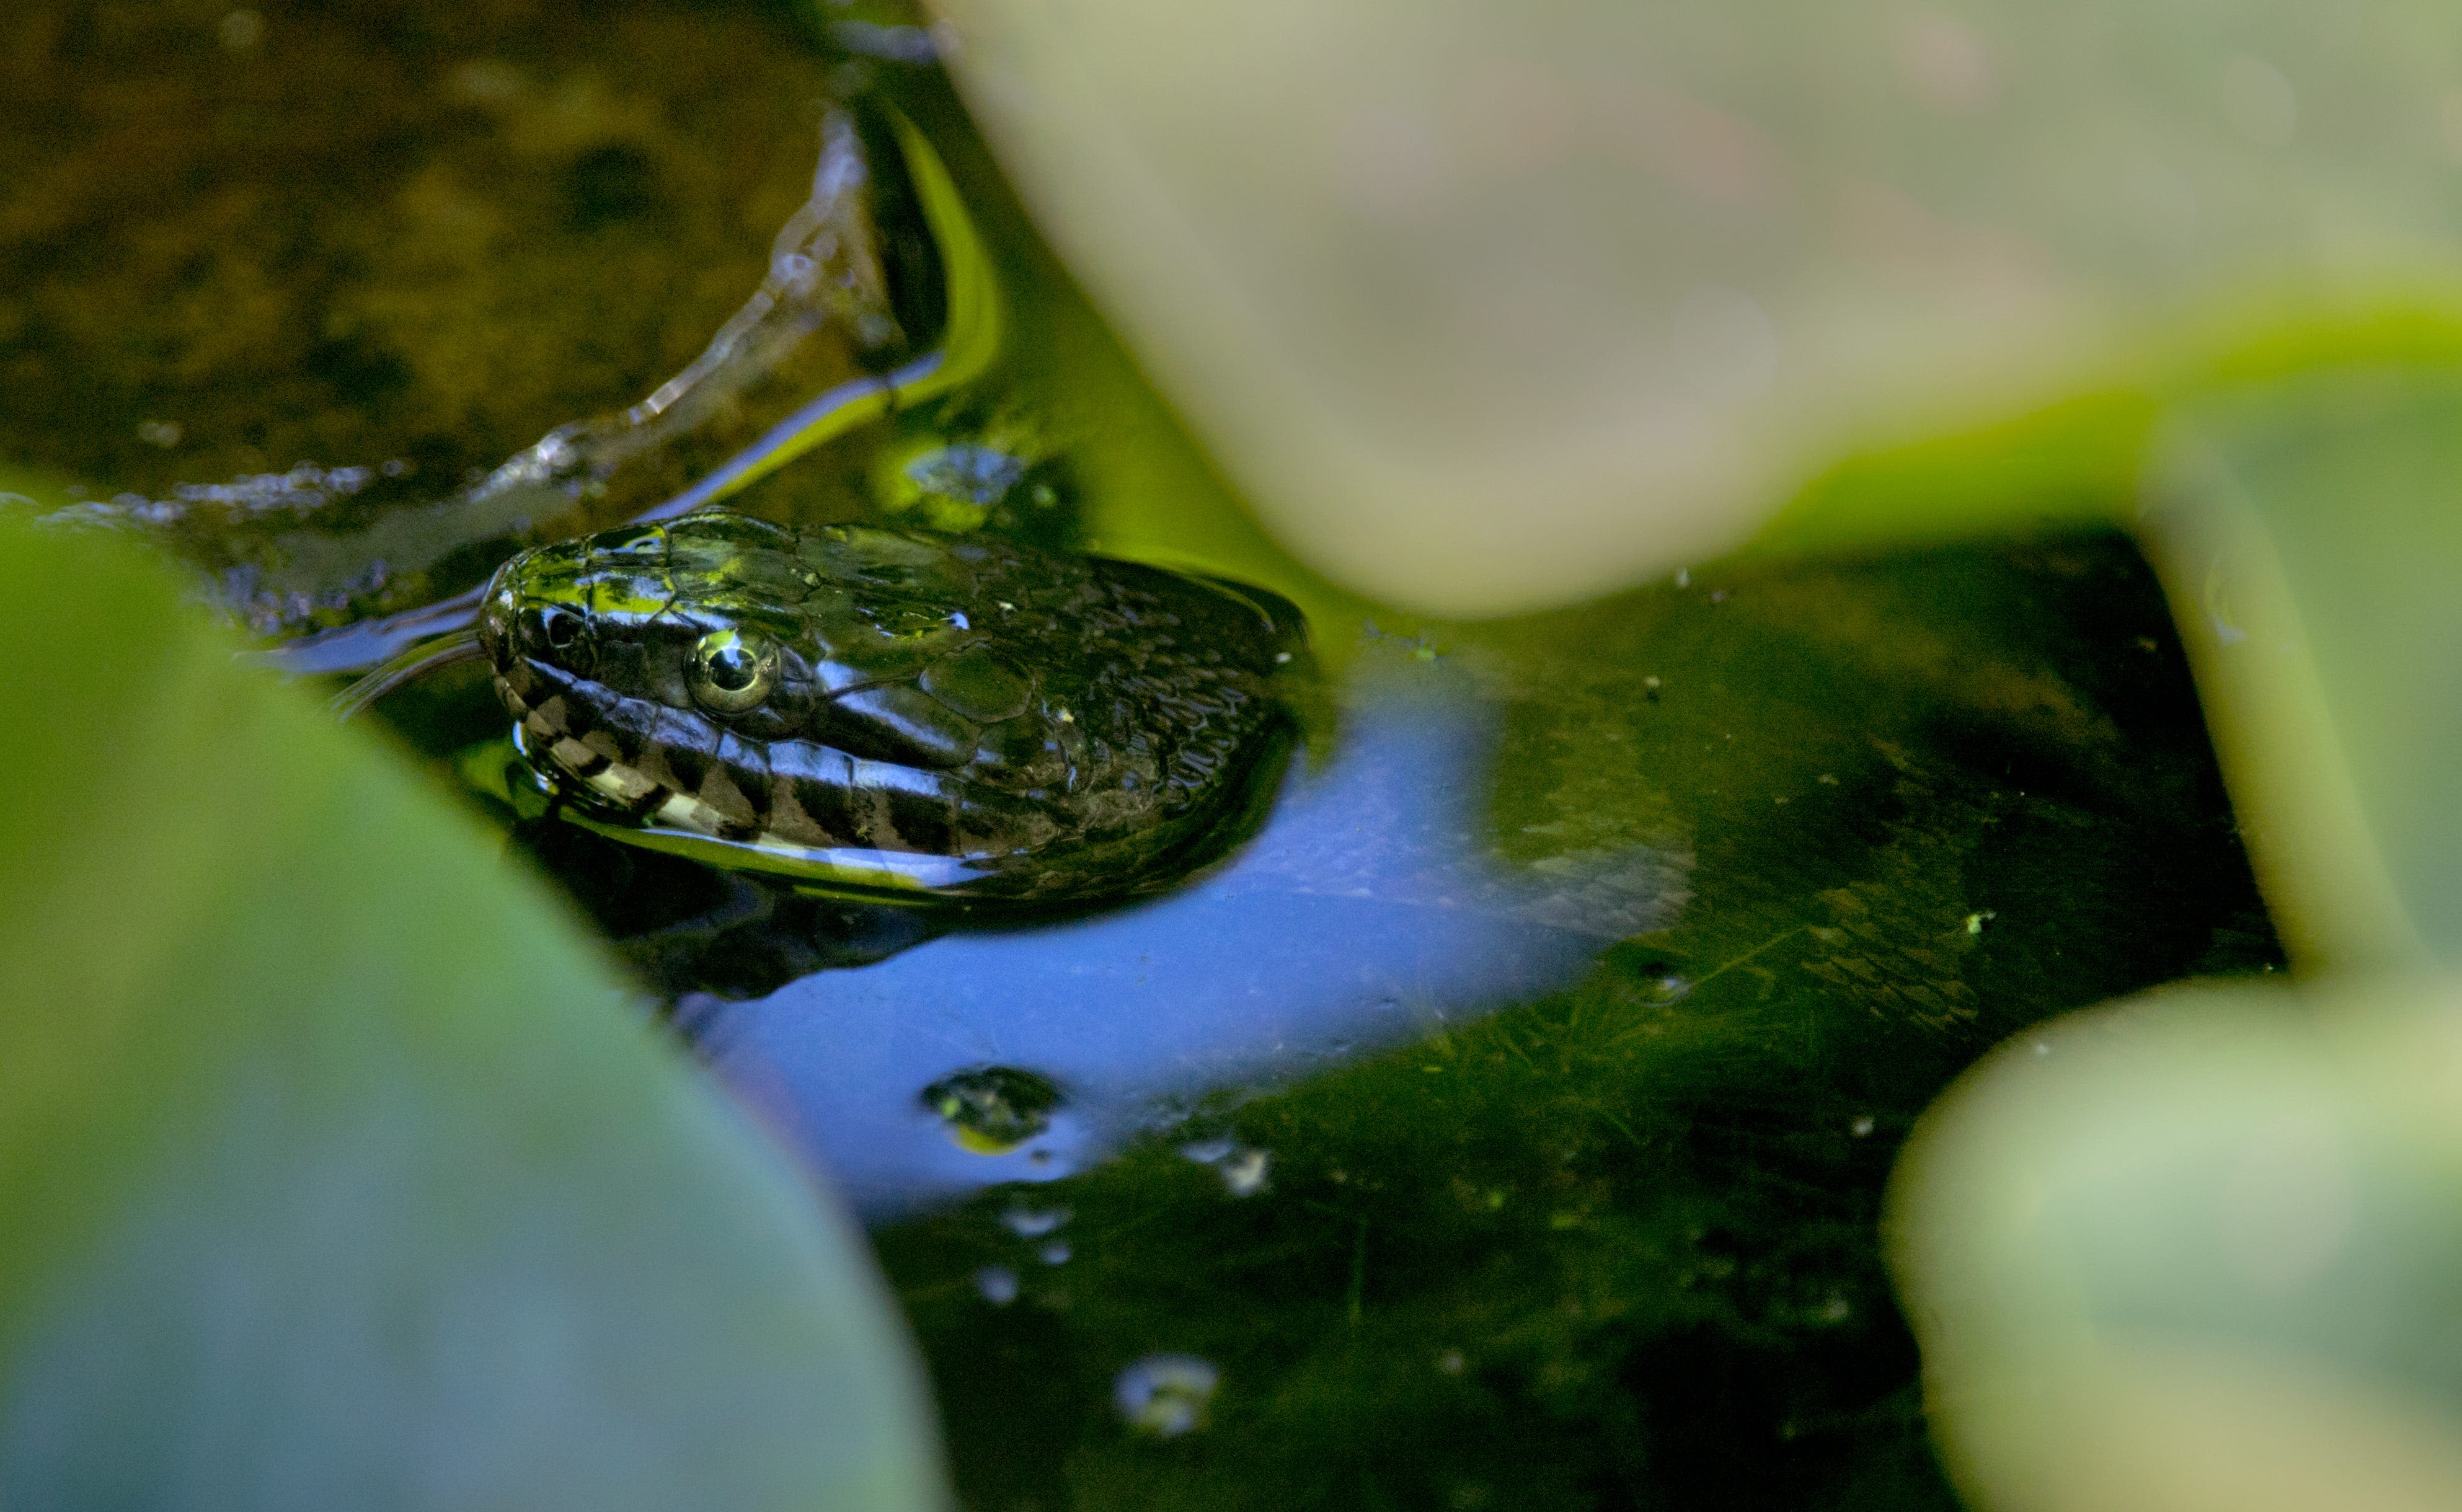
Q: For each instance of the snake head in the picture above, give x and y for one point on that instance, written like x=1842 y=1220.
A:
x=846 y=690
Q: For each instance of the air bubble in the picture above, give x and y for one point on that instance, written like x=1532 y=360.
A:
x=1033 y=1223
x=1244 y=1174
x=998 y=1284
x=1166 y=1394
x=1243 y=1169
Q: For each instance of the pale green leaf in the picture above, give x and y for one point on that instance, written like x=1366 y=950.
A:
x=1487 y=306
x=335 y=1168
x=2198 y=1252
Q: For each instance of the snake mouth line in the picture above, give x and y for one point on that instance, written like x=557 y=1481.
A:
x=655 y=813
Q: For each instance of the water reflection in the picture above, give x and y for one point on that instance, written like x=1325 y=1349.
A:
x=1369 y=911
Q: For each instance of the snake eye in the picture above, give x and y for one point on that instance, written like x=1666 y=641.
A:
x=732 y=672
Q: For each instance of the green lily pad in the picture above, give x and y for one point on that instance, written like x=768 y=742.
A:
x=335 y=1167
x=2197 y=1251
x=1645 y=272
x=2306 y=527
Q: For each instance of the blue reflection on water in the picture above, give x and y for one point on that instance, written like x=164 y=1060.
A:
x=1368 y=912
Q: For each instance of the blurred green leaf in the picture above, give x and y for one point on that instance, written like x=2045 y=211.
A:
x=21 y=487
x=2198 y=1252
x=2308 y=528
x=334 y=1169
x=1644 y=272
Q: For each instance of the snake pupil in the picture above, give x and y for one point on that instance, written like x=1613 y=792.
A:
x=732 y=673
x=732 y=668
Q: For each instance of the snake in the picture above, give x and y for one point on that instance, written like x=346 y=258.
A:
x=892 y=713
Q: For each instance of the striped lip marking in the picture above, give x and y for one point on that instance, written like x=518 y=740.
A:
x=628 y=787
x=611 y=779
x=890 y=871
x=658 y=804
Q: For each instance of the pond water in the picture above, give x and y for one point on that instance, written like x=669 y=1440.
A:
x=1505 y=1122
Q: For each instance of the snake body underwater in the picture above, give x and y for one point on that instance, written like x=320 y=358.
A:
x=890 y=711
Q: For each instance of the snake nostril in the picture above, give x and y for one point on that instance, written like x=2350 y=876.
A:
x=566 y=635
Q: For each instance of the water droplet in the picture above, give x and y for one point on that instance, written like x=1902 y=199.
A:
x=1450 y=1362
x=998 y=1284
x=1862 y=1126
x=1243 y=1175
x=991 y=1109
x=1033 y=1223
x=1055 y=1253
x=1166 y=1394
x=1243 y=1170
x=162 y=433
